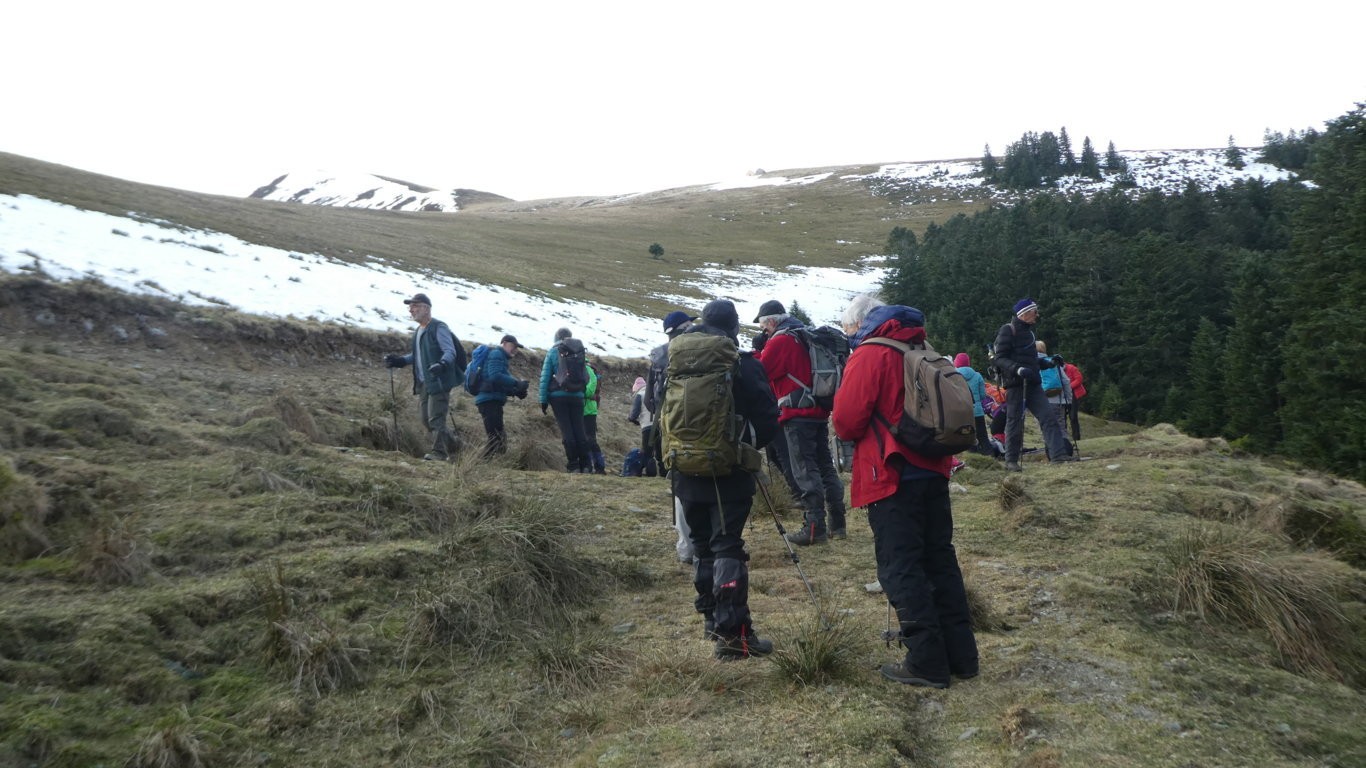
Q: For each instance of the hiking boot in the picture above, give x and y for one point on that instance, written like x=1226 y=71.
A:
x=709 y=630
x=742 y=647
x=838 y=533
x=804 y=537
x=966 y=674
x=898 y=673
x=1013 y=466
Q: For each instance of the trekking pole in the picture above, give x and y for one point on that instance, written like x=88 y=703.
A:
x=393 y=406
x=792 y=553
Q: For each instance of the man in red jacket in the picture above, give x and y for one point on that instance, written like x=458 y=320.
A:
x=805 y=426
x=907 y=496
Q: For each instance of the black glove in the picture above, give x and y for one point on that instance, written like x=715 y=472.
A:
x=1058 y=361
x=1028 y=374
x=634 y=421
x=436 y=369
x=522 y=387
x=394 y=361
x=544 y=408
x=757 y=343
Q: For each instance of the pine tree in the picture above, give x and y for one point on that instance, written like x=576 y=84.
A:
x=1069 y=160
x=1325 y=351
x=1252 y=356
x=1203 y=405
x=1113 y=162
x=1233 y=156
x=989 y=165
x=796 y=311
x=1090 y=163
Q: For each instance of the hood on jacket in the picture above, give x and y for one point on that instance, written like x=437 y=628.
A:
x=899 y=320
x=638 y=385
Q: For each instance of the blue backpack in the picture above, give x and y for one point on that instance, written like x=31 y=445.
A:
x=632 y=465
x=1051 y=381
x=474 y=372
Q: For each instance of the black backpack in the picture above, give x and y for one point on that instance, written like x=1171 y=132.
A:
x=572 y=373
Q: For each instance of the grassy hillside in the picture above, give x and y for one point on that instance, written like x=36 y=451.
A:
x=213 y=554
x=217 y=545
x=597 y=248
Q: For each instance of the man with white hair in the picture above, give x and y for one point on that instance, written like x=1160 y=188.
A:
x=805 y=425
x=907 y=496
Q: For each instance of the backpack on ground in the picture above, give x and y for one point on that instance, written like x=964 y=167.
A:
x=701 y=434
x=828 y=349
x=632 y=465
x=937 y=414
x=474 y=372
x=571 y=375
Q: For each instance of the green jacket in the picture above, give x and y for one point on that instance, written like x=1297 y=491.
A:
x=590 y=394
x=437 y=344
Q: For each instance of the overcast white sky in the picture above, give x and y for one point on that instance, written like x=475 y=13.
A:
x=544 y=99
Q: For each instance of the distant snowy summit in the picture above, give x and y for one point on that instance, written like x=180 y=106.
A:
x=1166 y=170
x=363 y=190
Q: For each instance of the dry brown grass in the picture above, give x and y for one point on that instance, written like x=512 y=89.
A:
x=1231 y=574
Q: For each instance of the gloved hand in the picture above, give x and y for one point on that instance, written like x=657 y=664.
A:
x=757 y=343
x=393 y=361
x=1028 y=374
x=435 y=369
x=1058 y=361
x=634 y=421
x=544 y=408
x=522 y=387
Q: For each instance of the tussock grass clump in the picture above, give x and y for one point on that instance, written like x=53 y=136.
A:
x=318 y=656
x=820 y=651
x=112 y=553
x=23 y=511
x=509 y=577
x=1013 y=493
x=290 y=412
x=580 y=658
x=1233 y=575
x=87 y=420
x=174 y=742
x=265 y=433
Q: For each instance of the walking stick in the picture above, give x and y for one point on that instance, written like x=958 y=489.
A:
x=763 y=482
x=393 y=406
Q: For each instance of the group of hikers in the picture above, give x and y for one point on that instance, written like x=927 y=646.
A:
x=709 y=414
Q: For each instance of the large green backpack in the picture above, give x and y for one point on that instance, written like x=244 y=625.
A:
x=699 y=429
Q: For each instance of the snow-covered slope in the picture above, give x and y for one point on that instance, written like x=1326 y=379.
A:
x=363 y=190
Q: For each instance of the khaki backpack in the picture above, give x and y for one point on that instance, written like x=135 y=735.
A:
x=701 y=434
x=937 y=414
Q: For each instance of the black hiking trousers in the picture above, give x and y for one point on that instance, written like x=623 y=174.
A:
x=721 y=569
x=918 y=569
x=569 y=418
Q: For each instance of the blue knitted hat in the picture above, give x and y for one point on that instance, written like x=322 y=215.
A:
x=1024 y=305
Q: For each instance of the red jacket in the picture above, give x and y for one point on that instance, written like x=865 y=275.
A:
x=873 y=382
x=1074 y=378
x=784 y=354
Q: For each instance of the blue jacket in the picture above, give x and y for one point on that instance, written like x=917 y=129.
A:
x=497 y=383
x=552 y=364
x=977 y=385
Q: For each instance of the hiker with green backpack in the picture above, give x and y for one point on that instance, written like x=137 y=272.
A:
x=901 y=474
x=564 y=377
x=716 y=416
